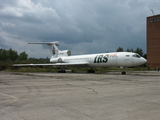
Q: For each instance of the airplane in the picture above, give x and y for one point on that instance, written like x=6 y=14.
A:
x=64 y=59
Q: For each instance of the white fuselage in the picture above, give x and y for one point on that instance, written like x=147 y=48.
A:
x=64 y=59
x=115 y=59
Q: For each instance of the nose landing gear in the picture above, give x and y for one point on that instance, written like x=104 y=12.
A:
x=123 y=72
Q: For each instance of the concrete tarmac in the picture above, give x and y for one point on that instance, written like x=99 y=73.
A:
x=77 y=96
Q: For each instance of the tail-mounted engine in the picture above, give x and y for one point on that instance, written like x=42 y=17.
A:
x=56 y=60
x=64 y=53
x=59 y=58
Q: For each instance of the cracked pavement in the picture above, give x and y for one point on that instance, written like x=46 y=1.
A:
x=72 y=96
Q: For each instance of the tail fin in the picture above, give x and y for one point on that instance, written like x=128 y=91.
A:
x=52 y=46
x=53 y=49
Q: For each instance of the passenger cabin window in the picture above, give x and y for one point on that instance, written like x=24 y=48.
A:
x=136 y=55
x=158 y=19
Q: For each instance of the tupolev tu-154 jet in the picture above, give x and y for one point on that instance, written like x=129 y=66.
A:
x=115 y=59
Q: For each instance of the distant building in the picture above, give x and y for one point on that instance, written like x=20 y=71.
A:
x=153 y=41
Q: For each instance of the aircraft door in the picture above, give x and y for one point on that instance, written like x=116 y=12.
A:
x=124 y=60
x=127 y=60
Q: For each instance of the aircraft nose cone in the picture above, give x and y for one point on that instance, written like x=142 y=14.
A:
x=143 y=60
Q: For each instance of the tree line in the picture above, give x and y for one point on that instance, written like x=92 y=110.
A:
x=9 y=57
x=12 y=55
x=138 y=50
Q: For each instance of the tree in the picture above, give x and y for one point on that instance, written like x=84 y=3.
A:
x=129 y=50
x=12 y=55
x=139 y=51
x=8 y=55
x=23 y=56
x=120 y=49
x=145 y=56
x=3 y=54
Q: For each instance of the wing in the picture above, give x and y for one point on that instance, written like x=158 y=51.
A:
x=56 y=64
x=32 y=64
x=72 y=64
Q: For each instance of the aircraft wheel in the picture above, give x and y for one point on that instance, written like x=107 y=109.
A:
x=123 y=73
x=91 y=71
x=62 y=71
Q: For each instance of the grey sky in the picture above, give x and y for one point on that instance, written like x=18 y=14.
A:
x=82 y=26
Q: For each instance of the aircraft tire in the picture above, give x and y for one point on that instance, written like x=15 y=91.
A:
x=90 y=71
x=123 y=73
x=61 y=71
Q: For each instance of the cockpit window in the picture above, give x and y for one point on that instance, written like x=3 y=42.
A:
x=136 y=55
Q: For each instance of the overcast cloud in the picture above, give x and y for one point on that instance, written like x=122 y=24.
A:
x=82 y=26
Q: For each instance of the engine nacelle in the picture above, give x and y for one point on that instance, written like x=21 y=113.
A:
x=56 y=60
x=64 y=53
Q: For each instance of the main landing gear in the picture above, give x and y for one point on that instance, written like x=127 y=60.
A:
x=123 y=72
x=62 y=70
x=91 y=71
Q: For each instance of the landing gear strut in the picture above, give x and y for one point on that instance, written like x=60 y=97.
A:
x=62 y=70
x=91 y=71
x=123 y=73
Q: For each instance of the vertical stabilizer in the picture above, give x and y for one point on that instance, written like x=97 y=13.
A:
x=53 y=49
x=52 y=46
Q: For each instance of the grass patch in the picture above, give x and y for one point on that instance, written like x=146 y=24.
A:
x=31 y=69
x=78 y=69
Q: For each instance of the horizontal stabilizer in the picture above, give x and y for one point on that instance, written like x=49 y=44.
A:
x=48 y=43
x=33 y=64
x=52 y=46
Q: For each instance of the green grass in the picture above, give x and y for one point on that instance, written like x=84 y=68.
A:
x=78 y=69
x=31 y=69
